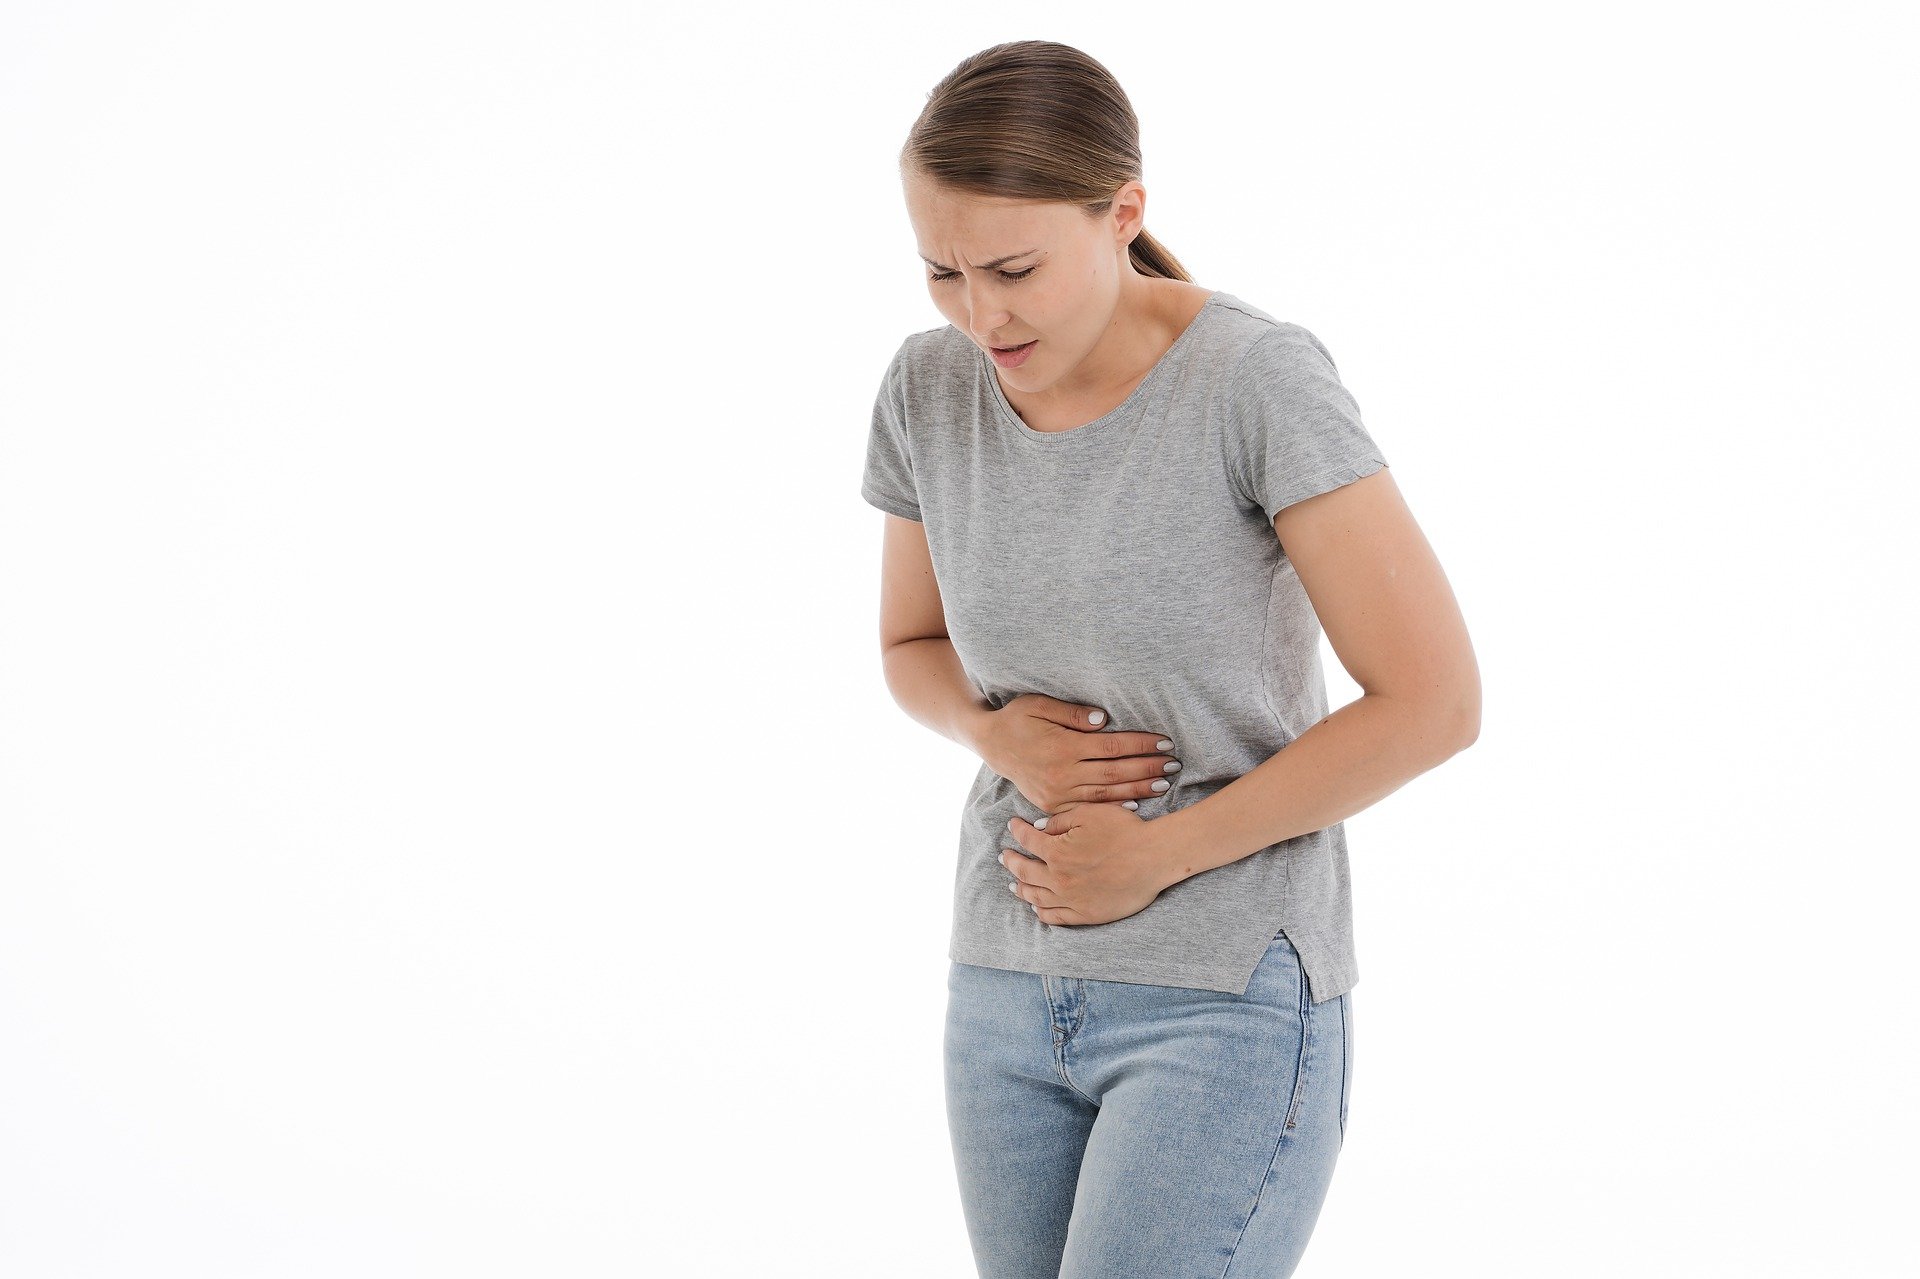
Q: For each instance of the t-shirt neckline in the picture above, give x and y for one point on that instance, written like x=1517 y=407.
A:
x=1119 y=410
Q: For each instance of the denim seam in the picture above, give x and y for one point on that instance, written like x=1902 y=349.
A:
x=1293 y=1106
x=1063 y=1038
x=1346 y=1050
x=1306 y=1041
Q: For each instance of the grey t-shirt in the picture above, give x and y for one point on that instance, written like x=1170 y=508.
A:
x=1131 y=564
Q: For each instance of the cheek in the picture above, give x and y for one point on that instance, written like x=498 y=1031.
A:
x=956 y=312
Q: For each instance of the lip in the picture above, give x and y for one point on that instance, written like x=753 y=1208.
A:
x=1014 y=358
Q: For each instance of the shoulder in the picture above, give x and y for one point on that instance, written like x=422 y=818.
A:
x=1257 y=349
x=930 y=365
x=943 y=349
x=1256 y=344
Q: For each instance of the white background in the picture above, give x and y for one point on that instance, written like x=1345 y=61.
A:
x=452 y=820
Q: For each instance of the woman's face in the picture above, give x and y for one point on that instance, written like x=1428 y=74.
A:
x=1006 y=272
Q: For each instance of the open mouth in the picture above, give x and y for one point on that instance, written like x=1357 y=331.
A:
x=1012 y=357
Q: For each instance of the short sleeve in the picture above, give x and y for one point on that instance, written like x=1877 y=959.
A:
x=1293 y=430
x=888 y=480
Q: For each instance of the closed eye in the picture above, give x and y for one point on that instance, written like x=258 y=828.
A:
x=939 y=276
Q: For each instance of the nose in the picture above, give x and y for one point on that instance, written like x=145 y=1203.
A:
x=984 y=311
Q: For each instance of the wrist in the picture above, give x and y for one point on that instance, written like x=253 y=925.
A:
x=1167 y=836
x=975 y=729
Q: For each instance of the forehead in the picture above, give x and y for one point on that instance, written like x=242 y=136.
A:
x=978 y=228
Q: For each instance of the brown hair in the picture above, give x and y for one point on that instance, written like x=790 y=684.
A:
x=1035 y=120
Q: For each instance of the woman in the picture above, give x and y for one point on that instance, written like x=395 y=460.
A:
x=1120 y=508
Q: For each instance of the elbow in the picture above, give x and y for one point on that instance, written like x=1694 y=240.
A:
x=1442 y=727
x=1464 y=720
x=1466 y=724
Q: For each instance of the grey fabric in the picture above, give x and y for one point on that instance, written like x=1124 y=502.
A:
x=1131 y=564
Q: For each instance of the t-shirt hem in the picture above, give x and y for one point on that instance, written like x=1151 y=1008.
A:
x=887 y=502
x=1232 y=983
x=1325 y=980
x=1326 y=481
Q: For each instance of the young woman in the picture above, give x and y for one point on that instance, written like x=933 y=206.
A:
x=1120 y=509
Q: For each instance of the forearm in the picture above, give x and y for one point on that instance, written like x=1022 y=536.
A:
x=927 y=680
x=1349 y=761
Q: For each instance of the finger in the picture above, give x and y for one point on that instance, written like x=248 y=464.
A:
x=1072 y=804
x=1027 y=833
x=1112 y=745
x=1126 y=779
x=1145 y=769
x=1028 y=890
x=1087 y=719
x=1055 y=824
x=1130 y=792
x=1024 y=861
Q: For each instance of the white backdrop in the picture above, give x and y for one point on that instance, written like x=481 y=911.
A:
x=452 y=819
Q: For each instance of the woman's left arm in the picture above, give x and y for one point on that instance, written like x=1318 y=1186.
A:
x=1390 y=615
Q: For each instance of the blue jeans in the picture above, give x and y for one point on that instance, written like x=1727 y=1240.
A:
x=1115 y=1130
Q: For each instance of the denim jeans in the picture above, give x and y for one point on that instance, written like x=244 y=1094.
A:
x=1115 y=1130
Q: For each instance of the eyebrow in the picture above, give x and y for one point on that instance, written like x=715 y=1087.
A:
x=984 y=266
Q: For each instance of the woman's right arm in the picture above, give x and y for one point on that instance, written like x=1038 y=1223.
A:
x=1054 y=752
x=923 y=671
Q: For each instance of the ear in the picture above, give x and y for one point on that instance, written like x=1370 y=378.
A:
x=1129 y=214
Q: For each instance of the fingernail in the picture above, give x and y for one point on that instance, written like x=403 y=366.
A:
x=1041 y=824
x=1097 y=717
x=1131 y=803
x=1013 y=886
x=1171 y=766
x=1162 y=784
x=1163 y=745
